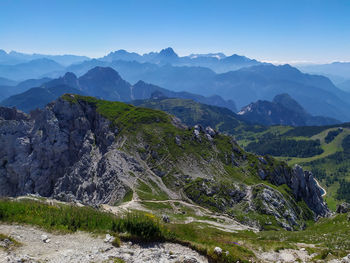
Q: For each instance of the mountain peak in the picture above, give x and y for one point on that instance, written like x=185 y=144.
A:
x=288 y=102
x=69 y=76
x=102 y=71
x=168 y=52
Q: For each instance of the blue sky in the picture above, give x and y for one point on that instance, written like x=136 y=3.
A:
x=269 y=30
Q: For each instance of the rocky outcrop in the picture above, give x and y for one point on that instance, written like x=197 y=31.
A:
x=303 y=185
x=343 y=208
x=65 y=151
x=12 y=114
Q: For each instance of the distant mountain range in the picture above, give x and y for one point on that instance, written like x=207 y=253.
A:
x=337 y=71
x=20 y=66
x=217 y=62
x=283 y=110
x=103 y=83
x=38 y=97
x=32 y=69
x=10 y=88
x=317 y=94
x=247 y=81
x=13 y=58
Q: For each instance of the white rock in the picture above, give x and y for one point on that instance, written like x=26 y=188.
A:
x=44 y=238
x=109 y=238
x=218 y=250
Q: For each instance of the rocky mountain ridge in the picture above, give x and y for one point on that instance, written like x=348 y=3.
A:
x=283 y=110
x=94 y=151
x=104 y=83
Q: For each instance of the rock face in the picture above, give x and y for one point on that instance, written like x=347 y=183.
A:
x=70 y=152
x=61 y=152
x=303 y=185
x=343 y=208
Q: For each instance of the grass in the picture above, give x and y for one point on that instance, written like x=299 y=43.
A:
x=121 y=114
x=66 y=218
x=145 y=192
x=128 y=196
x=329 y=234
x=157 y=206
x=328 y=148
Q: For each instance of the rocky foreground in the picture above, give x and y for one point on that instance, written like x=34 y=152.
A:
x=40 y=246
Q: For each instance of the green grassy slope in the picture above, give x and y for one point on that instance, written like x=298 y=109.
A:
x=217 y=163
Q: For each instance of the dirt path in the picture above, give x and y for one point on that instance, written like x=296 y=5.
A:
x=83 y=247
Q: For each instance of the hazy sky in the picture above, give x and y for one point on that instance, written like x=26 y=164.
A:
x=269 y=30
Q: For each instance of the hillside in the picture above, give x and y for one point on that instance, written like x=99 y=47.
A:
x=95 y=151
x=323 y=150
x=192 y=113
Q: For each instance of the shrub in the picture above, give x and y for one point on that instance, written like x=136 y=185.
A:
x=116 y=241
x=145 y=226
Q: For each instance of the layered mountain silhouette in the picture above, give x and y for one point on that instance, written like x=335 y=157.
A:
x=13 y=58
x=9 y=88
x=38 y=97
x=336 y=71
x=32 y=69
x=104 y=83
x=283 y=110
x=243 y=80
x=317 y=94
x=217 y=62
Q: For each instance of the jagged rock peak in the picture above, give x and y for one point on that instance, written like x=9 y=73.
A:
x=168 y=52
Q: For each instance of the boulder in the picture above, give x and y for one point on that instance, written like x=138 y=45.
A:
x=45 y=238
x=108 y=238
x=343 y=208
x=218 y=251
x=210 y=131
x=165 y=219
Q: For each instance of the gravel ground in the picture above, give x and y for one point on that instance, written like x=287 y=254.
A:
x=41 y=246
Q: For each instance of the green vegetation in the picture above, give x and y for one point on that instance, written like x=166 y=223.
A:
x=332 y=134
x=285 y=147
x=66 y=218
x=329 y=234
x=11 y=242
x=145 y=192
x=343 y=192
x=157 y=206
x=121 y=114
x=128 y=196
x=192 y=113
x=331 y=167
